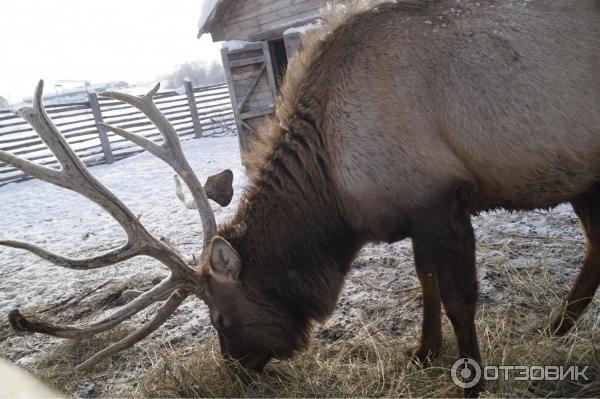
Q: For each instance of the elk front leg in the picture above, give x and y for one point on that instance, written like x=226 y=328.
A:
x=431 y=332
x=445 y=240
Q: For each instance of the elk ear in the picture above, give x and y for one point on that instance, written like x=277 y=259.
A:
x=224 y=260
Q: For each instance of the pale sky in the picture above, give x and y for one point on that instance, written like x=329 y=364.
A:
x=99 y=41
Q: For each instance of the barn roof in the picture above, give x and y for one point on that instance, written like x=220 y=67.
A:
x=210 y=10
x=255 y=20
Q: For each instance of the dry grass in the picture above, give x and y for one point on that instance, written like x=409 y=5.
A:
x=367 y=362
x=366 y=359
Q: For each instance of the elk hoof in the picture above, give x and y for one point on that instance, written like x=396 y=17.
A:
x=559 y=322
x=423 y=356
x=558 y=326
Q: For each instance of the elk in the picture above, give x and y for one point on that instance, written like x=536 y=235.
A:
x=397 y=121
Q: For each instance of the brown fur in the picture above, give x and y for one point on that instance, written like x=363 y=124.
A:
x=403 y=119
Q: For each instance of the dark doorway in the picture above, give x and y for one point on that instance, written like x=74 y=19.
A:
x=279 y=59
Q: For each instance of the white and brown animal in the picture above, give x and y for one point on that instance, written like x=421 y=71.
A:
x=397 y=121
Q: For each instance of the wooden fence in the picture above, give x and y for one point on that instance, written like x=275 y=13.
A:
x=203 y=111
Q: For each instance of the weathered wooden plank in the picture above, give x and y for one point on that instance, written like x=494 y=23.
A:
x=245 y=10
x=257 y=112
x=247 y=48
x=293 y=43
x=247 y=61
x=170 y=115
x=66 y=107
x=78 y=128
x=32 y=145
x=251 y=21
x=171 y=100
x=34 y=136
x=13 y=122
x=221 y=96
x=210 y=87
x=27 y=129
x=225 y=54
x=212 y=93
x=220 y=102
x=60 y=109
x=9 y=116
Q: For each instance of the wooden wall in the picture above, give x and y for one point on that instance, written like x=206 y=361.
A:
x=253 y=20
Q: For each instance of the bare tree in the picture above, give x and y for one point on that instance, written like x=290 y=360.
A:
x=201 y=74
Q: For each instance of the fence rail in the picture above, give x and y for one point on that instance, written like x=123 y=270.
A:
x=199 y=112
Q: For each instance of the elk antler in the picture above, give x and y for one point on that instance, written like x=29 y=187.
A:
x=184 y=279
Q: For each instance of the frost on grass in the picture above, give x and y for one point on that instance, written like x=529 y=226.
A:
x=526 y=263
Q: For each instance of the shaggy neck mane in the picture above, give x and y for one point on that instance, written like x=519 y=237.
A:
x=295 y=246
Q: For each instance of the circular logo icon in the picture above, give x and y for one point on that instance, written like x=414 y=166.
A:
x=466 y=373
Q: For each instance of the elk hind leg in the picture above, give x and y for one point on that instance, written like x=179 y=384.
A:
x=587 y=208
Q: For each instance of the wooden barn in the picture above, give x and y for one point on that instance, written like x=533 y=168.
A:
x=261 y=39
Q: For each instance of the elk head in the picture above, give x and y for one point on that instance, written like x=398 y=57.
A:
x=253 y=327
x=188 y=276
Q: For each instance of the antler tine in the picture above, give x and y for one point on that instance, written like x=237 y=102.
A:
x=170 y=152
x=38 y=171
x=163 y=313
x=189 y=203
x=20 y=323
x=110 y=258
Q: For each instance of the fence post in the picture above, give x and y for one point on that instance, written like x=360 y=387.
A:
x=102 y=133
x=189 y=91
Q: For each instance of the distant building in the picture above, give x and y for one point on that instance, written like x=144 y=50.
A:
x=3 y=102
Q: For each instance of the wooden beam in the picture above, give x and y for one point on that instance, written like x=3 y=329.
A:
x=246 y=61
x=234 y=103
x=249 y=126
x=258 y=112
x=270 y=72
x=189 y=91
x=102 y=133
